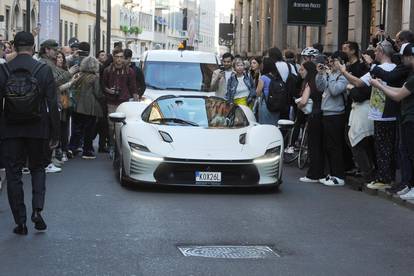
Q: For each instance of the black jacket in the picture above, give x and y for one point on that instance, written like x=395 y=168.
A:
x=140 y=79
x=49 y=125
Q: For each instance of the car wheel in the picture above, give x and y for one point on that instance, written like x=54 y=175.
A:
x=121 y=174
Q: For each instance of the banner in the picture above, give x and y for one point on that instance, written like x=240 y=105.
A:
x=306 y=12
x=49 y=20
x=226 y=34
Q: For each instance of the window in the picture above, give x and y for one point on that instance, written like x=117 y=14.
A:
x=179 y=75
x=89 y=34
x=66 y=32
x=24 y=21
x=76 y=30
x=71 y=30
x=60 y=32
x=7 y=23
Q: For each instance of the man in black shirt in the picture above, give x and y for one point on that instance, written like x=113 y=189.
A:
x=363 y=153
x=25 y=141
x=140 y=80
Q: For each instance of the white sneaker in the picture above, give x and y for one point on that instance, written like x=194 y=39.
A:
x=308 y=180
x=290 y=150
x=64 y=157
x=334 y=182
x=51 y=168
x=324 y=180
x=408 y=196
x=25 y=171
x=403 y=191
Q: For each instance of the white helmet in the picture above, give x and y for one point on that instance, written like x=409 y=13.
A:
x=309 y=51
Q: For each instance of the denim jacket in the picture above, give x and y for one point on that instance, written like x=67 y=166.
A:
x=232 y=88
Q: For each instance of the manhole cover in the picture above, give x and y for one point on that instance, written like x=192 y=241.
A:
x=229 y=252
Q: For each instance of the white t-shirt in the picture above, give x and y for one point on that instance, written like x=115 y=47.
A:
x=227 y=75
x=2 y=60
x=378 y=98
x=242 y=90
x=284 y=70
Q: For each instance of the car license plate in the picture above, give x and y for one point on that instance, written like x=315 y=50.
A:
x=208 y=177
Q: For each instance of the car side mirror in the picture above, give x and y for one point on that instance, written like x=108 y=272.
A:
x=117 y=117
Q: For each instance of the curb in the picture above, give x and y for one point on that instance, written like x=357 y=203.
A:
x=355 y=183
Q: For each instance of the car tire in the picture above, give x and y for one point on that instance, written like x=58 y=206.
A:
x=121 y=175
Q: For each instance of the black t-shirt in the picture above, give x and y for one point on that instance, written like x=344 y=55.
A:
x=407 y=104
x=357 y=69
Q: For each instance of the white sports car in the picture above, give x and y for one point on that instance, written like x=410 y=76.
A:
x=195 y=141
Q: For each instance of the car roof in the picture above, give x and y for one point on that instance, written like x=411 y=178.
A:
x=180 y=56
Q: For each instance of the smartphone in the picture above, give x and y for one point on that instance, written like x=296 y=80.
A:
x=221 y=68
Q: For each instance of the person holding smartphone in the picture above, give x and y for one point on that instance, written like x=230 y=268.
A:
x=333 y=84
x=222 y=75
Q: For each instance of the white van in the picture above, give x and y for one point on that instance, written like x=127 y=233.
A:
x=174 y=72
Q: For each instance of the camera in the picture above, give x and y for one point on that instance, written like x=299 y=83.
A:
x=222 y=68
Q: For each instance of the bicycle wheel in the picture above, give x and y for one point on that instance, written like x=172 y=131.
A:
x=303 y=150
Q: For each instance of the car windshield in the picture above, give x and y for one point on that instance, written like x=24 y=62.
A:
x=179 y=75
x=207 y=112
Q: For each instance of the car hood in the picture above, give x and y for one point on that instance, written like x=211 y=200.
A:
x=198 y=143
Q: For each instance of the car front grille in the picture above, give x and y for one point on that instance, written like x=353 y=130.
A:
x=183 y=173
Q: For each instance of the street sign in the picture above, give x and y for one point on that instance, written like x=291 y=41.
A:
x=226 y=34
x=306 y=12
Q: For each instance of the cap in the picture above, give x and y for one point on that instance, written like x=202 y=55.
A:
x=407 y=49
x=23 y=39
x=50 y=43
x=73 y=42
x=84 y=46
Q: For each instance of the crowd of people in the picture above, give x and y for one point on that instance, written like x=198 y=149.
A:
x=358 y=106
x=55 y=103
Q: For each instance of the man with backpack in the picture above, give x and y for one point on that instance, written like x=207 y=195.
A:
x=28 y=120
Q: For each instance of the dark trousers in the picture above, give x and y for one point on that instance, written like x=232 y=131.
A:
x=315 y=147
x=64 y=135
x=334 y=140
x=85 y=129
x=364 y=157
x=403 y=157
x=384 y=135
x=102 y=129
x=16 y=152
x=299 y=121
x=407 y=130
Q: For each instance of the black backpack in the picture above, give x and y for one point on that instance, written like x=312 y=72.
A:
x=22 y=99
x=293 y=83
x=278 y=97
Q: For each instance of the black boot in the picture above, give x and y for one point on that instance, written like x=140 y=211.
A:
x=38 y=221
x=20 y=229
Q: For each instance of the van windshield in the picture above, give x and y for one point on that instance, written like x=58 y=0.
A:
x=185 y=76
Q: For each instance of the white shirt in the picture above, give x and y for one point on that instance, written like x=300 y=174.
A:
x=284 y=70
x=227 y=75
x=242 y=90
x=2 y=60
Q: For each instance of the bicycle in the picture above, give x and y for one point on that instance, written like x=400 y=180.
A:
x=303 y=156
x=286 y=127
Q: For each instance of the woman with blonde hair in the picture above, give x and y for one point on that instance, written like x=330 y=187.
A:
x=241 y=89
x=87 y=96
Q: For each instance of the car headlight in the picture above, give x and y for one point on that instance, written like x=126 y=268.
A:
x=271 y=155
x=142 y=152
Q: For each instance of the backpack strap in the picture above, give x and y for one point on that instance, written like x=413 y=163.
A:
x=6 y=69
x=37 y=68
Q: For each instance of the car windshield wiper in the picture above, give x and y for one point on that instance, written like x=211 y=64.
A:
x=181 y=89
x=155 y=87
x=175 y=120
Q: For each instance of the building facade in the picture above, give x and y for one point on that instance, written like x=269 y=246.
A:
x=261 y=24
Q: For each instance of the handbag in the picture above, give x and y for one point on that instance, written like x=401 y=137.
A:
x=307 y=109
